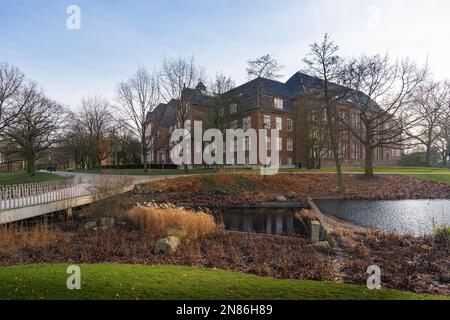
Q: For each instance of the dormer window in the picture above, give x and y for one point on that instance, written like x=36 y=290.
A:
x=233 y=108
x=278 y=103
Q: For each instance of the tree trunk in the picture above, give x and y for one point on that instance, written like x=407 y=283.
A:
x=335 y=150
x=428 y=156
x=31 y=168
x=144 y=158
x=368 y=170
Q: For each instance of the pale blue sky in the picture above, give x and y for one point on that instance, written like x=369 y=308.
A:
x=118 y=35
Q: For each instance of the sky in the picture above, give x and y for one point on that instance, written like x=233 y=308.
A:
x=116 y=36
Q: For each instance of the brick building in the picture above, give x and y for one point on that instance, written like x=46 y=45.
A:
x=267 y=104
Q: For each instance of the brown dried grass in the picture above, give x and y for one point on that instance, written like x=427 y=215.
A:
x=157 y=219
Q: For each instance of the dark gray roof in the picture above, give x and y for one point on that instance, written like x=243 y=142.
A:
x=268 y=87
x=164 y=114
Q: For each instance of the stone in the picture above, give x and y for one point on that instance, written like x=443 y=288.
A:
x=315 y=231
x=322 y=245
x=291 y=195
x=167 y=245
x=280 y=199
x=90 y=225
x=179 y=233
x=107 y=222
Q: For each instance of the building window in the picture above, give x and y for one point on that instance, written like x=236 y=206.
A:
x=379 y=153
x=247 y=123
x=278 y=103
x=233 y=108
x=267 y=122
x=356 y=149
x=290 y=145
x=290 y=161
x=268 y=143
x=290 y=125
x=234 y=124
x=356 y=121
x=278 y=123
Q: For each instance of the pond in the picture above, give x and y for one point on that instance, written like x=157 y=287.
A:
x=405 y=216
x=258 y=220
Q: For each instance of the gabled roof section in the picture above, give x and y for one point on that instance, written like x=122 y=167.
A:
x=164 y=114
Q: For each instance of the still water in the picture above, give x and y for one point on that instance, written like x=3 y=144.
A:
x=258 y=220
x=405 y=216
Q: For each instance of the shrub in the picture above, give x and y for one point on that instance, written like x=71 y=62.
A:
x=108 y=193
x=156 y=220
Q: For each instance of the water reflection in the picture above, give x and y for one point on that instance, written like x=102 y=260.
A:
x=405 y=216
x=258 y=220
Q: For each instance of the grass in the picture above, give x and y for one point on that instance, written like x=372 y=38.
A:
x=157 y=220
x=433 y=177
x=442 y=233
x=21 y=177
x=377 y=170
x=130 y=282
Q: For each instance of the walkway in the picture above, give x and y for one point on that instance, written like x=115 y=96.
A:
x=22 y=202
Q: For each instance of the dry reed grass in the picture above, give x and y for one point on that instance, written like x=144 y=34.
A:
x=156 y=220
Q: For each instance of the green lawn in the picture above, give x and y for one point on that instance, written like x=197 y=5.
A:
x=433 y=177
x=19 y=177
x=377 y=170
x=172 y=282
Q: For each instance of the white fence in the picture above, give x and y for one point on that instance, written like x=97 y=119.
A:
x=31 y=194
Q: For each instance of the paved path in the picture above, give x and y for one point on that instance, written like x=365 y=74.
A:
x=82 y=177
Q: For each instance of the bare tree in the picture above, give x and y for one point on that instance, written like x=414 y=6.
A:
x=11 y=100
x=324 y=63
x=96 y=123
x=385 y=93
x=177 y=75
x=221 y=84
x=442 y=144
x=264 y=67
x=430 y=105
x=37 y=126
x=315 y=132
x=137 y=97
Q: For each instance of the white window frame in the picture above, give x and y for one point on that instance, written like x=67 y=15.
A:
x=279 y=123
x=290 y=125
x=267 y=122
x=278 y=103
x=247 y=123
x=290 y=144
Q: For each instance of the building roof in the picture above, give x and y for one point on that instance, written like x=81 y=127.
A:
x=297 y=85
x=164 y=114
